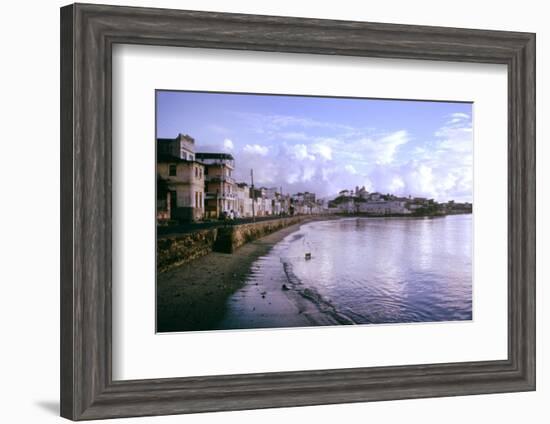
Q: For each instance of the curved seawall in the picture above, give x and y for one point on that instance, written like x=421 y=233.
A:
x=179 y=249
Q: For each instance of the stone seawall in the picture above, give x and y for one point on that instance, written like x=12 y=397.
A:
x=182 y=248
x=232 y=237
x=179 y=249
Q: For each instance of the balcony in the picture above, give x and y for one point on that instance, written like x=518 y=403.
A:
x=222 y=196
x=224 y=163
x=219 y=179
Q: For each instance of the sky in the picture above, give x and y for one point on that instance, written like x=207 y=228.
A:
x=327 y=144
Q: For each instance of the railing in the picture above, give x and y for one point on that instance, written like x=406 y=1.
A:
x=219 y=162
x=224 y=195
x=219 y=178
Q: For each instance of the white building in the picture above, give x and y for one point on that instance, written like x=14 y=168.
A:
x=243 y=207
x=383 y=207
x=347 y=206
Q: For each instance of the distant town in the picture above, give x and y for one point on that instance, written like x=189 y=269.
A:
x=195 y=187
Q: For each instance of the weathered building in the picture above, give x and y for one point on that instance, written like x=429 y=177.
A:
x=183 y=147
x=220 y=187
x=180 y=189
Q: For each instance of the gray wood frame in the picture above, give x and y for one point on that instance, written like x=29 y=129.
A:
x=88 y=33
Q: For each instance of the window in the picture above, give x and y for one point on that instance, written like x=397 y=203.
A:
x=196 y=172
x=172 y=170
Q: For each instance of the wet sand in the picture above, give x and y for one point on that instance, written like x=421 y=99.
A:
x=263 y=303
x=194 y=296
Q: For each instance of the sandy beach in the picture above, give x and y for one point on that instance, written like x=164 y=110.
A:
x=195 y=296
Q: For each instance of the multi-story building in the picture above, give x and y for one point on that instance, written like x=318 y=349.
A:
x=220 y=187
x=183 y=147
x=309 y=198
x=284 y=201
x=243 y=202
x=180 y=189
x=304 y=203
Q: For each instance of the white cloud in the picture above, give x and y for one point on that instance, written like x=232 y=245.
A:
x=382 y=150
x=322 y=150
x=439 y=168
x=299 y=152
x=301 y=155
x=228 y=145
x=256 y=149
x=397 y=185
x=458 y=117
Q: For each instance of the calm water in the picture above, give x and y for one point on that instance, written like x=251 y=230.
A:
x=363 y=271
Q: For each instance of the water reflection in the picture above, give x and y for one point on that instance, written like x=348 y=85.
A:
x=387 y=270
x=362 y=270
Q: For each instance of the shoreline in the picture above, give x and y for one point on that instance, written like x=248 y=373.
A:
x=193 y=296
x=164 y=232
x=209 y=293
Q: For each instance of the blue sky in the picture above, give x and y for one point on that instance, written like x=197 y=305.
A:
x=324 y=144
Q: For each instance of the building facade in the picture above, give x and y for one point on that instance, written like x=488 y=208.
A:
x=384 y=207
x=220 y=188
x=180 y=189
x=183 y=147
x=243 y=207
x=180 y=180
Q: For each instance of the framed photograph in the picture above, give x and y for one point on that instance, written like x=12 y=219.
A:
x=265 y=211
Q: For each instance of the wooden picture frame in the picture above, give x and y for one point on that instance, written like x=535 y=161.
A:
x=88 y=33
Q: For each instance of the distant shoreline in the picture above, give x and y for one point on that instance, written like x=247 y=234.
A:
x=399 y=215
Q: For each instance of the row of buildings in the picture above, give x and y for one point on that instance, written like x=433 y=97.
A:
x=192 y=186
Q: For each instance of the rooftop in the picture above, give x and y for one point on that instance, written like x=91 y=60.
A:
x=214 y=156
x=185 y=137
